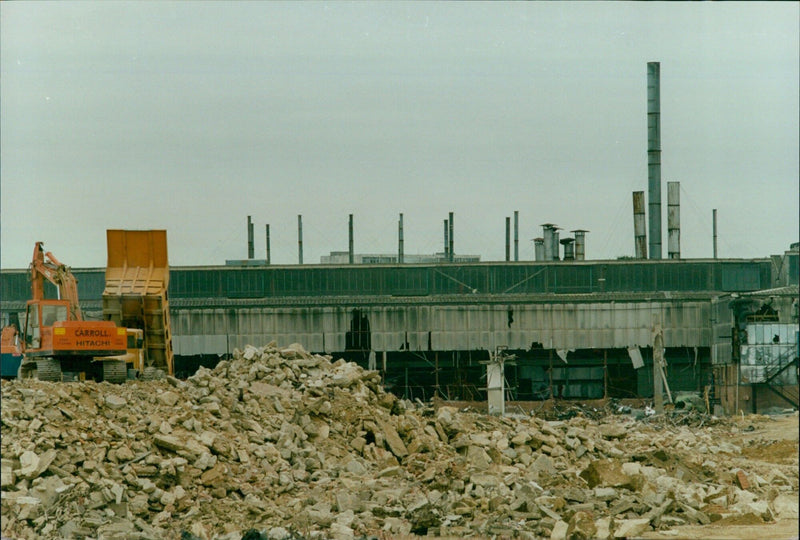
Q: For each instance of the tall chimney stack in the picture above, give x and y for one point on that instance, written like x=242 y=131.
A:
x=516 y=235
x=639 y=225
x=654 y=156
x=674 y=220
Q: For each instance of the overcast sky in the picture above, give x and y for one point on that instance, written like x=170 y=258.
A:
x=191 y=116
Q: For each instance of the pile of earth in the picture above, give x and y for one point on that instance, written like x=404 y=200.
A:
x=279 y=443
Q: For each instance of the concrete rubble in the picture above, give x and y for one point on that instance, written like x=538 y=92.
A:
x=280 y=443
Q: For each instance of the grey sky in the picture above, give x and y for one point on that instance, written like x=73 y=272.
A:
x=192 y=116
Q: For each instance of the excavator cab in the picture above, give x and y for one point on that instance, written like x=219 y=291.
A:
x=40 y=317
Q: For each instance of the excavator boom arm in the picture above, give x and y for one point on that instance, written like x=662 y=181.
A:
x=45 y=266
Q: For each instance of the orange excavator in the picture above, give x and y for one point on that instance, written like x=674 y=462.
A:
x=55 y=337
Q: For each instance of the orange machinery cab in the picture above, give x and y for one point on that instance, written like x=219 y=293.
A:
x=50 y=332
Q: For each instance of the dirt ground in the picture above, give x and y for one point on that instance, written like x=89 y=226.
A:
x=766 y=441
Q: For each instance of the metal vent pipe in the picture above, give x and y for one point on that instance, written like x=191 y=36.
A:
x=538 y=249
x=508 y=239
x=547 y=234
x=516 y=235
x=639 y=226
x=451 y=251
x=300 y=239
x=569 y=249
x=580 y=244
x=400 y=240
x=446 y=242
x=556 y=248
x=674 y=220
x=654 y=156
x=350 y=239
x=250 y=246
x=714 y=224
x=268 y=261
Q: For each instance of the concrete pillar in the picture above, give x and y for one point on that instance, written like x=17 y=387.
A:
x=495 y=387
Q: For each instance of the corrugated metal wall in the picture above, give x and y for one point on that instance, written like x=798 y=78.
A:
x=448 y=327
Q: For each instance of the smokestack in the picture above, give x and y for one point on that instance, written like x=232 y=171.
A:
x=639 y=225
x=516 y=235
x=508 y=239
x=580 y=244
x=300 y=239
x=451 y=252
x=569 y=249
x=674 y=220
x=538 y=249
x=714 y=223
x=350 y=239
x=268 y=243
x=250 y=246
x=654 y=156
x=400 y=240
x=446 y=242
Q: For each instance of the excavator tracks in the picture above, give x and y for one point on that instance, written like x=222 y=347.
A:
x=48 y=369
x=115 y=371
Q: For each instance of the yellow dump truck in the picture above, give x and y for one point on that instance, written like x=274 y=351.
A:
x=135 y=296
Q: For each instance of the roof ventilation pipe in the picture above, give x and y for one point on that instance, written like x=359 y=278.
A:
x=250 y=246
x=538 y=249
x=674 y=220
x=580 y=244
x=639 y=225
x=569 y=248
x=547 y=233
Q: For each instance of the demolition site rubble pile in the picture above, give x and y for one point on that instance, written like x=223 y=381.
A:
x=288 y=444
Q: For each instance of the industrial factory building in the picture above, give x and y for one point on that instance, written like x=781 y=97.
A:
x=576 y=329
